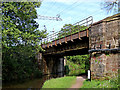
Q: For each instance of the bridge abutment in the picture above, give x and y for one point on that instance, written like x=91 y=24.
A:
x=104 y=65
x=104 y=48
x=52 y=65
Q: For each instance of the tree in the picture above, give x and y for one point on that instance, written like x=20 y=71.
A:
x=69 y=29
x=110 y=6
x=65 y=30
x=20 y=39
x=18 y=25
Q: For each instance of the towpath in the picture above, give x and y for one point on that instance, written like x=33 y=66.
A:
x=79 y=82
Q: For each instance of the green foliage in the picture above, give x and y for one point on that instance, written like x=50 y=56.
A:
x=76 y=72
x=18 y=65
x=20 y=40
x=66 y=69
x=69 y=29
x=112 y=83
x=96 y=60
x=64 y=82
x=78 y=59
x=78 y=64
x=75 y=69
x=37 y=73
x=19 y=26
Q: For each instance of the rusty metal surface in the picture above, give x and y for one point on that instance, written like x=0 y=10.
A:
x=66 y=39
x=55 y=38
x=68 y=47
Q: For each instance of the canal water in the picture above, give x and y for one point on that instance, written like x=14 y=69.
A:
x=35 y=83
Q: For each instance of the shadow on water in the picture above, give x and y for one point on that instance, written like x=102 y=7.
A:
x=35 y=83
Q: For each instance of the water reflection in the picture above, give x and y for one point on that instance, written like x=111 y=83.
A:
x=35 y=83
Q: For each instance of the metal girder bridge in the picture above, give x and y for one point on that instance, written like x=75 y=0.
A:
x=81 y=25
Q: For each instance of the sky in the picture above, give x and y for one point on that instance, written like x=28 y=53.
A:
x=70 y=11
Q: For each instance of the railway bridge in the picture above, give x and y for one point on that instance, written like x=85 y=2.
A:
x=101 y=40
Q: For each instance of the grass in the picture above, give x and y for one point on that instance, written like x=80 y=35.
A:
x=63 y=82
x=76 y=72
x=112 y=83
x=99 y=84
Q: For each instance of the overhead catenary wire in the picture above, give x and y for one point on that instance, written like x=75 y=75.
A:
x=97 y=12
x=91 y=14
x=94 y=14
x=52 y=5
x=71 y=7
x=66 y=9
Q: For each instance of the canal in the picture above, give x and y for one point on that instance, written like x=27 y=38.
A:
x=29 y=84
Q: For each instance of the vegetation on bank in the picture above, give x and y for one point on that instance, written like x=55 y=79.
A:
x=20 y=41
x=19 y=65
x=76 y=65
x=75 y=69
x=69 y=29
x=112 y=83
x=63 y=82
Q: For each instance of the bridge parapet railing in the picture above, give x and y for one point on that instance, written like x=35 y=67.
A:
x=69 y=30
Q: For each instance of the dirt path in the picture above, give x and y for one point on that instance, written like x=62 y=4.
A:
x=79 y=82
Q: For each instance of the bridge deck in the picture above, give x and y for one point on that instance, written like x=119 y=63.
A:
x=77 y=35
x=69 y=33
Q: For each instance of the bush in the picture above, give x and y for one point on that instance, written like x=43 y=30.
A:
x=74 y=69
x=78 y=64
x=66 y=69
x=37 y=73
x=19 y=63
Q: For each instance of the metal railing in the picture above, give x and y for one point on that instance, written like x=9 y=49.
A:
x=69 y=30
